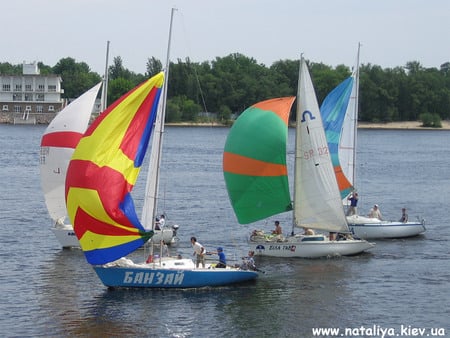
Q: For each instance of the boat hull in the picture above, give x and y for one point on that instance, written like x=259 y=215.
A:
x=167 y=235
x=66 y=236
x=68 y=239
x=160 y=276
x=309 y=247
x=387 y=230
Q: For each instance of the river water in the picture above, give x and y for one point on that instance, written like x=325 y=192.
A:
x=396 y=288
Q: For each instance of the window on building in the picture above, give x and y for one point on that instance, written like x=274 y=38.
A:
x=18 y=88
x=28 y=97
x=17 y=109
x=6 y=87
x=5 y=107
x=51 y=108
x=39 y=109
x=51 y=88
x=40 y=97
x=40 y=87
x=28 y=88
x=17 y=97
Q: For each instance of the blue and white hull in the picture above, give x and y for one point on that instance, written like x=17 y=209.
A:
x=169 y=273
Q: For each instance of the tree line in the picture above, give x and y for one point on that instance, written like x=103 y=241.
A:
x=228 y=85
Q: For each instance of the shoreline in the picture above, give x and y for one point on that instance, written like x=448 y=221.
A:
x=404 y=125
x=413 y=125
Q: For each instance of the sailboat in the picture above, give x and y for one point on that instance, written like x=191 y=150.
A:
x=57 y=145
x=100 y=179
x=255 y=172
x=340 y=115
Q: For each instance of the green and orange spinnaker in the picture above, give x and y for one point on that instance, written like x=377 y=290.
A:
x=103 y=171
x=254 y=161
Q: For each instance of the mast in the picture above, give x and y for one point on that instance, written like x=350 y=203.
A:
x=355 y=125
x=297 y=148
x=104 y=100
x=152 y=186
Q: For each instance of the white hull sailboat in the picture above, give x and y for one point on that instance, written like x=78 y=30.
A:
x=100 y=179
x=373 y=228
x=256 y=177
x=340 y=115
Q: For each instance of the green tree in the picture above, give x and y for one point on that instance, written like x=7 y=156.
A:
x=77 y=77
x=8 y=69
x=153 y=67
x=117 y=87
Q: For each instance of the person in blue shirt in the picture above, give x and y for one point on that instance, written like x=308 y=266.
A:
x=222 y=259
x=353 y=204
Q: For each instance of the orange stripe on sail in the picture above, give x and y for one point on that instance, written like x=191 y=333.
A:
x=342 y=181
x=241 y=165
x=280 y=106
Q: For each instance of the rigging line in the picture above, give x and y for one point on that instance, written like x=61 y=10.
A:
x=188 y=52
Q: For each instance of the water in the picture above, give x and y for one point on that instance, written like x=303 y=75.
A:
x=47 y=291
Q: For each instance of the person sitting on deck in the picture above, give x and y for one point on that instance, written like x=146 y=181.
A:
x=222 y=259
x=375 y=212
x=248 y=263
x=404 y=217
x=278 y=230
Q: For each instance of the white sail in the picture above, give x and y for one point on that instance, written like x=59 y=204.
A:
x=347 y=143
x=57 y=146
x=317 y=202
x=152 y=184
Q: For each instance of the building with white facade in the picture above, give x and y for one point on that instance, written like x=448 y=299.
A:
x=30 y=98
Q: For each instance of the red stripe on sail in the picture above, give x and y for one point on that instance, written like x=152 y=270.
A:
x=61 y=139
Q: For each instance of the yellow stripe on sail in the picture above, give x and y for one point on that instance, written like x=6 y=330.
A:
x=85 y=199
x=107 y=149
x=92 y=241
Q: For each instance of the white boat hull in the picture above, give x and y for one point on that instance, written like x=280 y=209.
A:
x=167 y=234
x=314 y=246
x=68 y=239
x=169 y=273
x=387 y=230
x=66 y=236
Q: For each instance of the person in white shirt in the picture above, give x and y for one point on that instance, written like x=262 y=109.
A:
x=199 y=251
x=375 y=212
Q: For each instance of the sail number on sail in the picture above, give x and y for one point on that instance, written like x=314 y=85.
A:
x=310 y=153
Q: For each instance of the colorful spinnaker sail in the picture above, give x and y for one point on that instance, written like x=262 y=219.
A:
x=333 y=111
x=254 y=161
x=103 y=171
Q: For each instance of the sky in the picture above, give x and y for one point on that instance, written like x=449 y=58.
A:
x=391 y=32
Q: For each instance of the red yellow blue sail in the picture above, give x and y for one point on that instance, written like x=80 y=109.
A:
x=103 y=171
x=254 y=161
x=333 y=110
